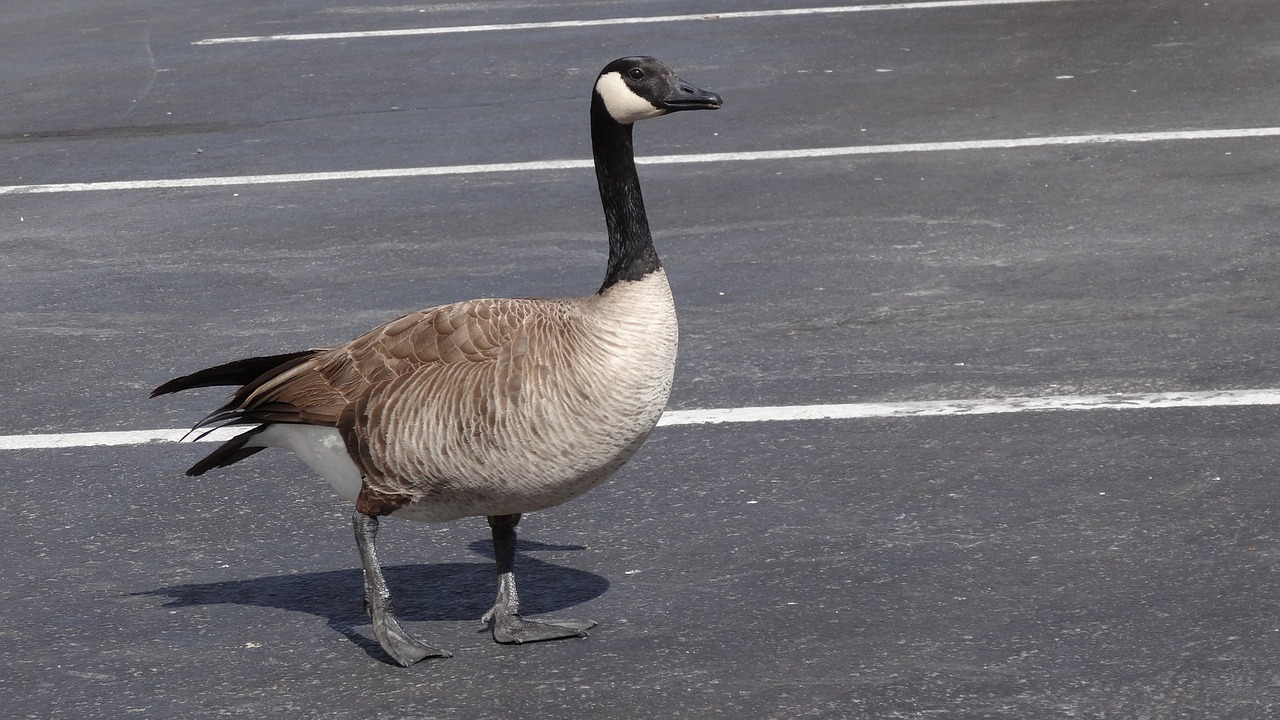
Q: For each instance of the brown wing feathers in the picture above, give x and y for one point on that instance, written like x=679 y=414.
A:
x=333 y=386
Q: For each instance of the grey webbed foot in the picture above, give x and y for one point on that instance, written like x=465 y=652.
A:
x=515 y=629
x=509 y=627
x=399 y=644
x=512 y=628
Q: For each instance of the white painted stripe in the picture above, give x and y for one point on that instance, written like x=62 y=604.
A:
x=791 y=413
x=933 y=408
x=959 y=145
x=754 y=156
x=102 y=439
x=555 y=24
x=233 y=180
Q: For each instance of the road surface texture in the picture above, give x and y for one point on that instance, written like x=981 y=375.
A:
x=896 y=204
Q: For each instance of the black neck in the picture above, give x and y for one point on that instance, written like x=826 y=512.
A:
x=631 y=251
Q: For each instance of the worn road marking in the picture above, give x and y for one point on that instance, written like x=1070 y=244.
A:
x=557 y=24
x=781 y=413
x=934 y=408
x=575 y=164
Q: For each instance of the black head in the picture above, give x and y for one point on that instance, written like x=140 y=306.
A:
x=635 y=88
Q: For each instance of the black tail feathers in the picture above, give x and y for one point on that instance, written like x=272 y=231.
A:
x=248 y=374
x=238 y=372
x=232 y=451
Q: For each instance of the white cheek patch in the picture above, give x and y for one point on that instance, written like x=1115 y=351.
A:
x=621 y=101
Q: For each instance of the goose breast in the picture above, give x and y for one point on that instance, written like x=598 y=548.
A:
x=469 y=421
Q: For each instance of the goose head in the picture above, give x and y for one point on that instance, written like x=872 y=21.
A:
x=636 y=88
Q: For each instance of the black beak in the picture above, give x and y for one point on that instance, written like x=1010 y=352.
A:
x=683 y=96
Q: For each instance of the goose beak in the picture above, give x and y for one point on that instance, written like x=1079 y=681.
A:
x=683 y=96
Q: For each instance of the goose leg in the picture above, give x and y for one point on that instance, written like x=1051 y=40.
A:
x=400 y=645
x=508 y=625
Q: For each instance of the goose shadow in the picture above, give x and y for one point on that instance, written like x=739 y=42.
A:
x=421 y=592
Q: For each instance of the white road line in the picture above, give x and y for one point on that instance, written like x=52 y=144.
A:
x=54 y=441
x=760 y=155
x=934 y=408
x=167 y=183
x=741 y=15
x=788 y=413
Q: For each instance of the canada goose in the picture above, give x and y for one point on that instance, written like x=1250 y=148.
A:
x=492 y=407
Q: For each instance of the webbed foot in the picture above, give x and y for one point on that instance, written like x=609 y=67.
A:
x=399 y=644
x=509 y=627
x=514 y=629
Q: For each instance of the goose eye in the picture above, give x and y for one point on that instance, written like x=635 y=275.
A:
x=636 y=73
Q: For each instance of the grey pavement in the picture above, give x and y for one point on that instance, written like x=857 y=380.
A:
x=1038 y=565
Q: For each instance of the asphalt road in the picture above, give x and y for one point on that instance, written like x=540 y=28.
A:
x=1093 y=564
